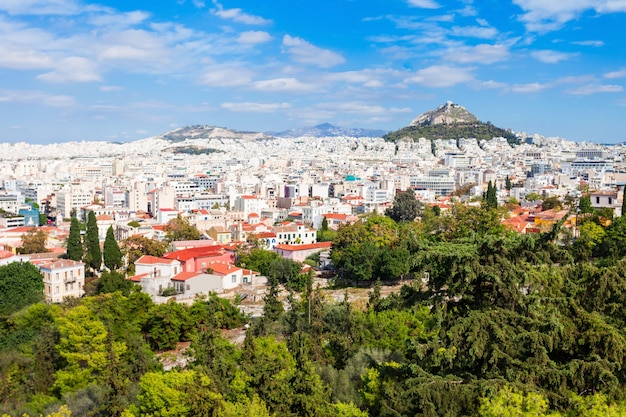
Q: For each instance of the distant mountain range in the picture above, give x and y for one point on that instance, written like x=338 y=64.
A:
x=449 y=121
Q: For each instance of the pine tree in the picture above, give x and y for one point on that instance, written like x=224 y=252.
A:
x=507 y=183
x=74 y=243
x=112 y=253
x=94 y=254
x=491 y=196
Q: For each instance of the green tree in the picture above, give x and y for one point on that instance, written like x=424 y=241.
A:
x=532 y=197
x=112 y=281
x=508 y=403
x=551 y=203
x=405 y=206
x=176 y=394
x=134 y=247
x=111 y=252
x=584 y=204
x=94 y=254
x=74 y=241
x=83 y=345
x=491 y=197
x=21 y=284
x=180 y=229
x=34 y=241
x=507 y=183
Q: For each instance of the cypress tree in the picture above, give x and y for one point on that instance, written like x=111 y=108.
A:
x=94 y=254
x=111 y=252
x=74 y=243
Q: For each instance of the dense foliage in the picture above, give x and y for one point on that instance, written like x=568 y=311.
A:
x=111 y=251
x=477 y=130
x=488 y=323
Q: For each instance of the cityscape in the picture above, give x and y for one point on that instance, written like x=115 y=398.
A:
x=312 y=209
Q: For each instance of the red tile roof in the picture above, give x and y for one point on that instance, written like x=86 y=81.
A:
x=200 y=252
x=184 y=276
x=222 y=268
x=153 y=260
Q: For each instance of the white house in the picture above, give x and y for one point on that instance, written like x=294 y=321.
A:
x=62 y=278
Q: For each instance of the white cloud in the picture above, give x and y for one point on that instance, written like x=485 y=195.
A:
x=119 y=19
x=283 y=84
x=440 y=76
x=255 y=107
x=226 y=76
x=424 y=4
x=306 y=53
x=596 y=44
x=485 y=54
x=238 y=15
x=616 y=74
x=22 y=57
x=72 y=69
x=529 y=88
x=110 y=88
x=588 y=89
x=547 y=15
x=253 y=37
x=35 y=97
x=491 y=85
x=481 y=32
x=40 y=7
x=551 y=57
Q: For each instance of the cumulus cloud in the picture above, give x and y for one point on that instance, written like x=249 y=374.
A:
x=251 y=107
x=548 y=15
x=483 y=53
x=291 y=85
x=551 y=57
x=253 y=37
x=615 y=74
x=226 y=76
x=423 y=4
x=72 y=69
x=35 y=97
x=238 y=15
x=307 y=53
x=589 y=89
x=481 y=32
x=529 y=88
x=20 y=57
x=440 y=76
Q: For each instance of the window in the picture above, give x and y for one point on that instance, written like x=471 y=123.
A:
x=597 y=200
x=233 y=278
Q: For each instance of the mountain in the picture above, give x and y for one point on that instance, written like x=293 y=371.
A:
x=450 y=121
x=208 y=132
x=329 y=130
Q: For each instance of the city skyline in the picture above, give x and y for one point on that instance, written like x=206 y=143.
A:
x=120 y=71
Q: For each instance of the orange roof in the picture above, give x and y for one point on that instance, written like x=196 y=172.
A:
x=335 y=216
x=223 y=268
x=137 y=278
x=184 y=276
x=153 y=260
x=291 y=248
x=265 y=235
x=104 y=217
x=253 y=215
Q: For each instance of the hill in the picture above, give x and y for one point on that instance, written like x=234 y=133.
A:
x=450 y=121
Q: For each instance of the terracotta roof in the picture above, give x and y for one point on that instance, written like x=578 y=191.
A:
x=184 y=276
x=104 y=217
x=137 y=278
x=223 y=268
x=153 y=260
x=294 y=248
x=336 y=216
x=253 y=215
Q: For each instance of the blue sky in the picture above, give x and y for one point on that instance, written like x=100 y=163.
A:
x=125 y=70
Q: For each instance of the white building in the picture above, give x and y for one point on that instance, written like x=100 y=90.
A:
x=62 y=278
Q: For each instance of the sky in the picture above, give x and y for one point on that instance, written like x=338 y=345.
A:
x=73 y=70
